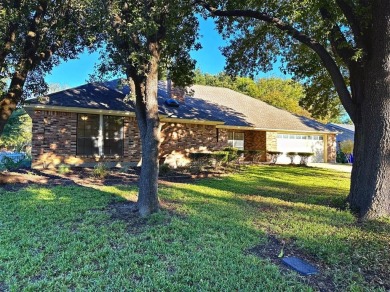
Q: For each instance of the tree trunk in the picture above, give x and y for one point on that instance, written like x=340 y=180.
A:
x=149 y=126
x=12 y=97
x=370 y=182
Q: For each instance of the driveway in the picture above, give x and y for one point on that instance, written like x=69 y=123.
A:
x=335 y=166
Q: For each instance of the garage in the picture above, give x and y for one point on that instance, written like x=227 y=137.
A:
x=300 y=143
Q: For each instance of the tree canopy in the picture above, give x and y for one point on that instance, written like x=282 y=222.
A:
x=36 y=36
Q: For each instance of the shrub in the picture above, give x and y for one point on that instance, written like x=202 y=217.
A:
x=346 y=146
x=63 y=169
x=8 y=163
x=304 y=157
x=100 y=170
x=164 y=169
x=291 y=155
x=233 y=153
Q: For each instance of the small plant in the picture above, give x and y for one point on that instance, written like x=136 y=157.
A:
x=304 y=157
x=291 y=155
x=100 y=170
x=8 y=163
x=274 y=156
x=63 y=169
x=164 y=169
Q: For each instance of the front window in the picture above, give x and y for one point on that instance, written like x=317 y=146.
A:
x=113 y=135
x=236 y=140
x=99 y=135
x=87 y=134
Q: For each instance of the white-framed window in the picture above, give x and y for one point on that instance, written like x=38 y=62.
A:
x=99 y=135
x=236 y=140
x=298 y=137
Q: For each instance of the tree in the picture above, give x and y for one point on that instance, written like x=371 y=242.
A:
x=141 y=37
x=338 y=48
x=36 y=36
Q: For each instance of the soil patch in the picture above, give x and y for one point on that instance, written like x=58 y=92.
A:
x=271 y=250
x=15 y=180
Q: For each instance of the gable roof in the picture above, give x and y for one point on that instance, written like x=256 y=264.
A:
x=216 y=104
x=341 y=127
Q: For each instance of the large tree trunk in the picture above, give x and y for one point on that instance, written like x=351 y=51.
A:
x=12 y=97
x=370 y=182
x=149 y=126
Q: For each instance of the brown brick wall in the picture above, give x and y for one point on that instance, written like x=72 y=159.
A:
x=255 y=140
x=54 y=141
x=178 y=140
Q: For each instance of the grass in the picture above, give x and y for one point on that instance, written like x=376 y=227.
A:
x=75 y=238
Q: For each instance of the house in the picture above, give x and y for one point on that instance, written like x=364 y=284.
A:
x=345 y=132
x=96 y=122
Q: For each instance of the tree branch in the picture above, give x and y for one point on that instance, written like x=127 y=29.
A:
x=354 y=21
x=339 y=43
x=326 y=58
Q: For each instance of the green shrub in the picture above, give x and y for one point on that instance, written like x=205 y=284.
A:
x=305 y=157
x=63 y=169
x=164 y=169
x=100 y=170
x=8 y=163
x=346 y=146
x=291 y=155
x=233 y=153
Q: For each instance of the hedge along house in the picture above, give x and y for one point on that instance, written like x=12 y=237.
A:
x=96 y=122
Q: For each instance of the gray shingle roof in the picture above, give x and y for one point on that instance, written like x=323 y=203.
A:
x=207 y=104
x=238 y=109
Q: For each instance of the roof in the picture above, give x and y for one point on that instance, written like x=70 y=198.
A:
x=228 y=107
x=341 y=127
x=237 y=109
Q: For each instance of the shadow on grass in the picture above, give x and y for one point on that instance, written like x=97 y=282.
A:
x=305 y=185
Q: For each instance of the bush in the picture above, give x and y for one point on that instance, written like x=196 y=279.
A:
x=346 y=146
x=100 y=170
x=341 y=157
x=304 y=157
x=9 y=163
x=291 y=155
x=63 y=169
x=164 y=169
x=233 y=153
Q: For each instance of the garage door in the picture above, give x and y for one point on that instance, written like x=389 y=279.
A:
x=300 y=143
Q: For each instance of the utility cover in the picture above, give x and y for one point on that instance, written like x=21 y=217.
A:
x=172 y=102
x=300 y=266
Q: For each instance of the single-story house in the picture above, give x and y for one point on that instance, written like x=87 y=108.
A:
x=96 y=122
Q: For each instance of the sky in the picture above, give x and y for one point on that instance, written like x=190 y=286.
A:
x=209 y=59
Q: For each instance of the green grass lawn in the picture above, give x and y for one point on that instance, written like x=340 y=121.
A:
x=79 y=238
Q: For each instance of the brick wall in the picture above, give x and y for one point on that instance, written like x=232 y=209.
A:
x=178 y=140
x=331 y=148
x=54 y=141
x=255 y=140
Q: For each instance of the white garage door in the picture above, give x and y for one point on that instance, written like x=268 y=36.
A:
x=300 y=143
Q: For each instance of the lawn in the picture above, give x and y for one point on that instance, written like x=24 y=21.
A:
x=213 y=234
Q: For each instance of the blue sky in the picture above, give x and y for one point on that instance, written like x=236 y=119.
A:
x=209 y=60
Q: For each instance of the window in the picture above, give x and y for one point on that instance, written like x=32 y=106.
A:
x=236 y=140
x=87 y=134
x=99 y=135
x=113 y=135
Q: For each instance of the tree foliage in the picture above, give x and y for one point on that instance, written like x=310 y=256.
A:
x=17 y=133
x=36 y=35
